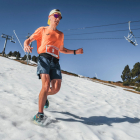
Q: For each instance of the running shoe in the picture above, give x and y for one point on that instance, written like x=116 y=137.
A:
x=38 y=118
x=46 y=104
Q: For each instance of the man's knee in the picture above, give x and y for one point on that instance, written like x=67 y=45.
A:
x=56 y=90
x=46 y=86
x=56 y=84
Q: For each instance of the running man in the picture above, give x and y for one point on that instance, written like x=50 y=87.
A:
x=50 y=42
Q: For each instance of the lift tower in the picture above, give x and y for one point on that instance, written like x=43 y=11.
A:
x=7 y=38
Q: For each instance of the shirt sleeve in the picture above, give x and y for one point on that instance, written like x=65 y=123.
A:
x=37 y=34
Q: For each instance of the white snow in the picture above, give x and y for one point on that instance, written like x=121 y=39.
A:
x=30 y=61
x=82 y=110
x=12 y=57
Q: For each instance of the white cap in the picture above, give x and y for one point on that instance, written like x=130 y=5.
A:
x=55 y=11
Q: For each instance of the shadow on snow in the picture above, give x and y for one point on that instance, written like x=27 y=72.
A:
x=96 y=120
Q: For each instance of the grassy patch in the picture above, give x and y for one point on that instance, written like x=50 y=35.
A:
x=132 y=91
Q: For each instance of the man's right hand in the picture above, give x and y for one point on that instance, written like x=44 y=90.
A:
x=27 y=48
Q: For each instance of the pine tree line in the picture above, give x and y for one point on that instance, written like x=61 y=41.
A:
x=18 y=56
x=131 y=77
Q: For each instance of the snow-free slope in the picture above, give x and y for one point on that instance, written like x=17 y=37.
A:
x=82 y=110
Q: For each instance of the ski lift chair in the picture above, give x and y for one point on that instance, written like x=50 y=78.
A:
x=131 y=38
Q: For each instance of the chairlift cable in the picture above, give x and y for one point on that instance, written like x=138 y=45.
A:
x=99 y=26
x=97 y=38
x=98 y=32
x=102 y=32
x=91 y=38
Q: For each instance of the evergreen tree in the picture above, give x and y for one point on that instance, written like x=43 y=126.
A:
x=34 y=58
x=10 y=53
x=137 y=80
x=14 y=53
x=29 y=57
x=24 y=57
x=37 y=59
x=136 y=70
x=18 y=56
x=126 y=74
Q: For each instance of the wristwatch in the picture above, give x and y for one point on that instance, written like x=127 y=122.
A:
x=74 y=52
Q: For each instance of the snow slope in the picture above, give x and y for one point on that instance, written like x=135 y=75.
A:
x=30 y=61
x=82 y=110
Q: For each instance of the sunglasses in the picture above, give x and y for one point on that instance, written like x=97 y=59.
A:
x=57 y=16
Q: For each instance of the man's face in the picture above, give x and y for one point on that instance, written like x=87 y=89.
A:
x=55 y=18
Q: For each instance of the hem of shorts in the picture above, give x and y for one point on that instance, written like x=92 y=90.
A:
x=38 y=74
x=46 y=73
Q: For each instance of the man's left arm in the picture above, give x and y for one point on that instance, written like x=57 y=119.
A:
x=67 y=51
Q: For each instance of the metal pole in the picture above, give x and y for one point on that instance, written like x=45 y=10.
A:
x=18 y=40
x=28 y=51
x=27 y=58
x=4 y=47
x=20 y=44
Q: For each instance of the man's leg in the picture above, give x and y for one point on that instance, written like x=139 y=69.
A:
x=56 y=84
x=45 y=78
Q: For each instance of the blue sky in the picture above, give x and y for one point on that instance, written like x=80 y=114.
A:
x=105 y=57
